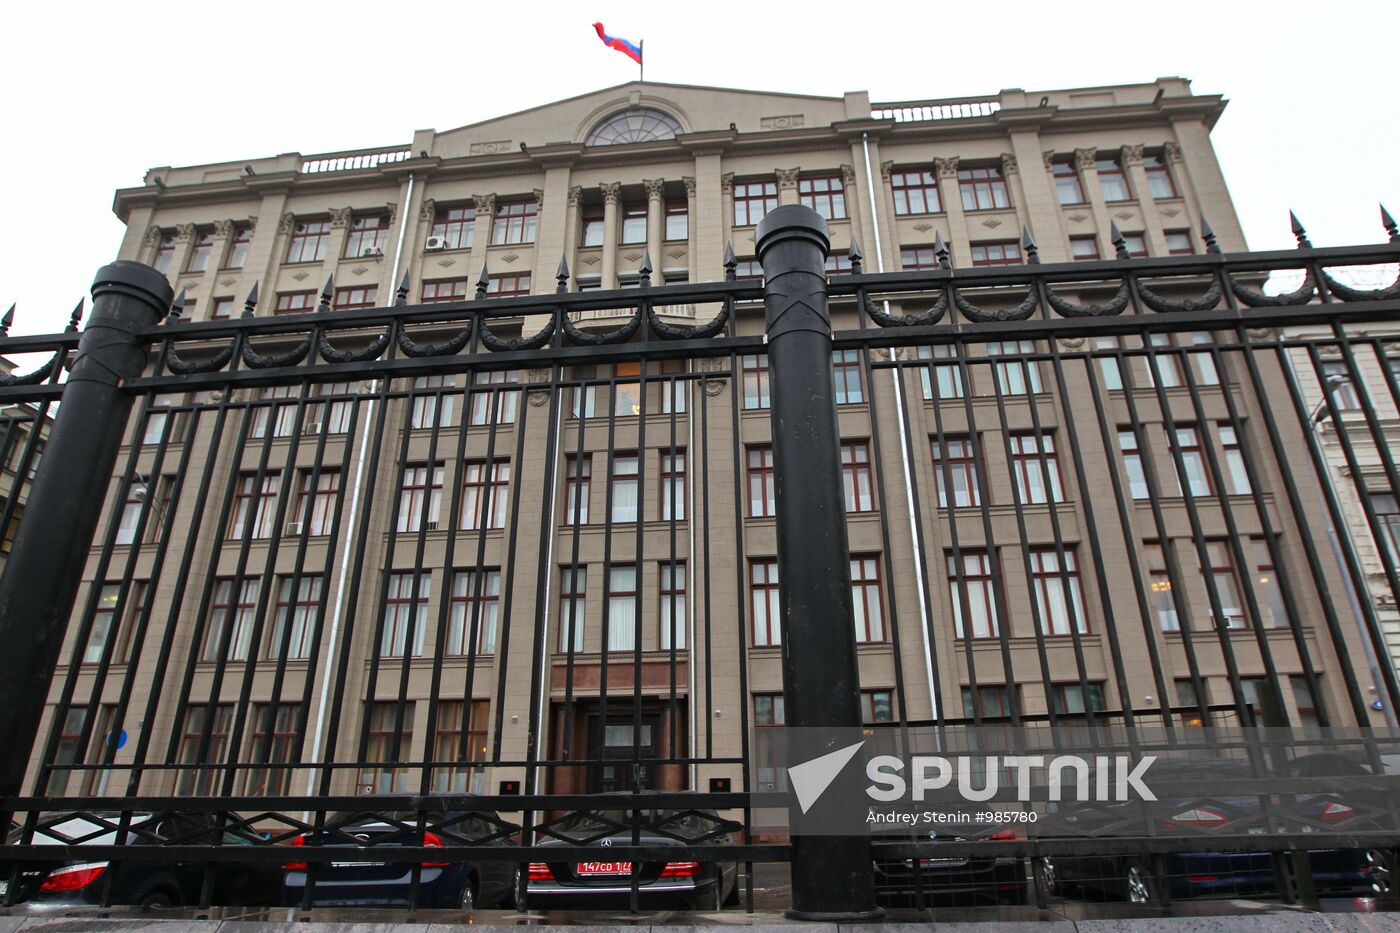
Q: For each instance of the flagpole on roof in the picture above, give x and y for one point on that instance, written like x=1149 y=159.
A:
x=641 y=59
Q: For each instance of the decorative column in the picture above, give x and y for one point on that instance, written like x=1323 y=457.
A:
x=340 y=229
x=571 y=228
x=209 y=281
x=787 y=185
x=855 y=202
x=1130 y=157
x=656 y=218
x=951 y=192
x=612 y=193
x=884 y=217
x=481 y=229
x=726 y=192
x=832 y=877
x=185 y=235
x=691 y=229
x=1085 y=161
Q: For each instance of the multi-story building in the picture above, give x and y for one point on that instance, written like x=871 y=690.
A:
x=654 y=489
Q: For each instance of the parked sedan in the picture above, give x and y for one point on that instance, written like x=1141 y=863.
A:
x=446 y=884
x=606 y=881
x=144 y=883
x=936 y=879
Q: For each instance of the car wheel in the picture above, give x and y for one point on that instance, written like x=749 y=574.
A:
x=518 y=892
x=468 y=896
x=732 y=900
x=1381 y=883
x=1049 y=878
x=1137 y=884
x=157 y=898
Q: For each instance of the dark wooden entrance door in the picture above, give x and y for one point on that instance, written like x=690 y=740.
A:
x=625 y=750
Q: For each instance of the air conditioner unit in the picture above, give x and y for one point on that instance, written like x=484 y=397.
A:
x=431 y=526
x=313 y=427
x=374 y=251
x=293 y=528
x=436 y=242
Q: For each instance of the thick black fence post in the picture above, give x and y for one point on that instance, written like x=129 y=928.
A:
x=831 y=875
x=65 y=502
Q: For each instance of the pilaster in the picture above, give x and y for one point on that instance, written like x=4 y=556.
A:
x=947 y=172
x=554 y=222
x=692 y=228
x=787 y=185
x=481 y=230
x=1039 y=207
x=1130 y=157
x=1084 y=161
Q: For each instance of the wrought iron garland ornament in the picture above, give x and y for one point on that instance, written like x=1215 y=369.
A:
x=1388 y=293
x=1114 y=305
x=932 y=316
x=182 y=367
x=49 y=368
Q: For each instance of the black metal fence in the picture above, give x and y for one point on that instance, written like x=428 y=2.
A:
x=521 y=558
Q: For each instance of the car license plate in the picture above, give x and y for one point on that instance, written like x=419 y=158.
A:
x=357 y=864
x=603 y=868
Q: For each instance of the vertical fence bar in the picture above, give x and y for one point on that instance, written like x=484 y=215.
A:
x=44 y=571
x=831 y=877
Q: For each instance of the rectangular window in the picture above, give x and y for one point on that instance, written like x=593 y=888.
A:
x=1388 y=517
x=838 y=263
x=309 y=240
x=388 y=743
x=768 y=713
x=672 y=607
x=515 y=222
x=1034 y=483
x=622 y=608
x=946 y=376
x=825 y=194
x=405 y=614
x=624 y=488
x=1266 y=586
x=455 y=743
x=1016 y=377
x=627 y=396
x=356 y=296
x=274 y=727
x=431 y=404
x=977 y=584
x=507 y=400
x=340 y=413
x=294 y=618
x=957 y=469
x=444 y=290
x=238 y=248
x=132 y=508
x=484 y=494
x=1159 y=178
x=1068 y=190
x=1337 y=380
x=1132 y=463
x=1304 y=700
x=114 y=623
x=230 y=627
x=1187 y=703
x=845 y=368
x=755 y=374
x=1069 y=699
x=983 y=189
x=1221 y=574
x=207 y=726
x=1006 y=253
x=1179 y=243
x=1234 y=460
x=748 y=270
x=578 y=481
x=634 y=223
x=1084 y=247
x=367 y=236
x=1112 y=181
x=672 y=504
x=1108 y=365
x=1193 y=462
x=221 y=310
x=1202 y=360
x=763 y=586
x=316 y=503
x=1136 y=245
x=420 y=498
x=990 y=700
x=592 y=220
x=917 y=258
x=294 y=303
x=455 y=225
x=876 y=706
x=865 y=598
x=508 y=286
x=753 y=200
x=282 y=416
x=1164 y=366
x=677 y=221
x=573 y=605
x=474 y=607
x=1163 y=602
x=915 y=192
x=254 y=505
x=673 y=391
x=165 y=252
x=1057 y=595
x=855 y=476
x=760 y=464
x=203 y=248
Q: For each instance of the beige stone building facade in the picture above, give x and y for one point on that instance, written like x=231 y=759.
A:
x=656 y=496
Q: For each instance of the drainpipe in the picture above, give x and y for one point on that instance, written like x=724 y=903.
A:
x=898 y=384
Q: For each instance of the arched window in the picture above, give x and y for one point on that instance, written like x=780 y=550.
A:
x=633 y=126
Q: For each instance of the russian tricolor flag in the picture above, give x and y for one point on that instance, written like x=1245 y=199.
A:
x=622 y=45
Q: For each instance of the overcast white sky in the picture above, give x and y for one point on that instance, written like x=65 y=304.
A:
x=94 y=94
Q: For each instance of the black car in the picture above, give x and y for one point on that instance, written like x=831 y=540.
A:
x=939 y=879
x=446 y=884
x=603 y=881
x=143 y=883
x=1208 y=872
